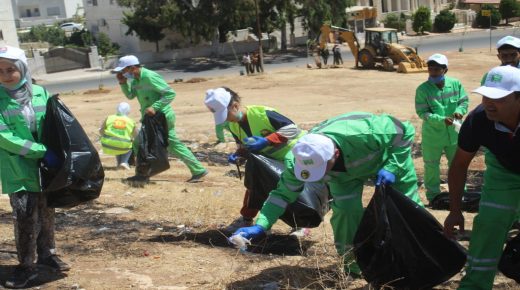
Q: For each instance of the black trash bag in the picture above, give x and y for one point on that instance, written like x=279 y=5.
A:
x=400 y=244
x=81 y=176
x=469 y=202
x=509 y=263
x=262 y=175
x=152 y=152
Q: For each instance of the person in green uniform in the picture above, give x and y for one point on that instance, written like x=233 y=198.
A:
x=439 y=102
x=494 y=124
x=258 y=129
x=154 y=94
x=22 y=111
x=344 y=152
x=117 y=134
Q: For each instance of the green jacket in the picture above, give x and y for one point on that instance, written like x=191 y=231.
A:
x=367 y=142
x=261 y=126
x=151 y=90
x=19 y=151
x=433 y=105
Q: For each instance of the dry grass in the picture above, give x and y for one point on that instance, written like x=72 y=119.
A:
x=169 y=238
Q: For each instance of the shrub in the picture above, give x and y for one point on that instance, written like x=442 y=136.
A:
x=444 y=21
x=422 y=20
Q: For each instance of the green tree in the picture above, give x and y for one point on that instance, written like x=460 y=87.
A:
x=148 y=18
x=395 y=20
x=317 y=12
x=422 y=20
x=82 y=38
x=444 y=21
x=483 y=21
x=105 y=46
x=508 y=9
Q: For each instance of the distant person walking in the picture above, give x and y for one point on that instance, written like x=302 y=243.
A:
x=336 y=51
x=117 y=134
x=154 y=94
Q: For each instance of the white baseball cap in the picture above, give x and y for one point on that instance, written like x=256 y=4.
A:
x=127 y=60
x=311 y=154
x=13 y=53
x=500 y=82
x=123 y=108
x=509 y=40
x=217 y=100
x=439 y=58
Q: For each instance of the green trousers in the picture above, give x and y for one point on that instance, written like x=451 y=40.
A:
x=499 y=204
x=181 y=151
x=347 y=210
x=432 y=151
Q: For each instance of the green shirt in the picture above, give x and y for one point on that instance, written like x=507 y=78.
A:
x=151 y=90
x=367 y=142
x=434 y=105
x=19 y=149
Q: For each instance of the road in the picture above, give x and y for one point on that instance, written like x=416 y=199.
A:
x=425 y=45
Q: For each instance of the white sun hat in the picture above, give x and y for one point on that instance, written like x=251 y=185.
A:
x=12 y=53
x=500 y=82
x=438 y=58
x=127 y=60
x=217 y=100
x=311 y=154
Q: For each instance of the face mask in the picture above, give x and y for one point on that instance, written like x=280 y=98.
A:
x=239 y=115
x=436 y=80
x=129 y=75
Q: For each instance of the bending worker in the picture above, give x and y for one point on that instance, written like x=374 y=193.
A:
x=493 y=124
x=154 y=94
x=439 y=102
x=117 y=134
x=344 y=152
x=259 y=129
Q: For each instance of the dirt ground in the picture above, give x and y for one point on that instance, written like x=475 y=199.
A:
x=166 y=235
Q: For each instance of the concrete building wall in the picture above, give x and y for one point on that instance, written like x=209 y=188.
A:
x=105 y=16
x=34 y=12
x=7 y=25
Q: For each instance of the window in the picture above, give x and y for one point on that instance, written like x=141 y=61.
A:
x=36 y=12
x=112 y=2
x=94 y=2
x=28 y=12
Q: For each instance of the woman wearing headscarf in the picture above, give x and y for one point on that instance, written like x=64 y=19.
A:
x=22 y=110
x=117 y=134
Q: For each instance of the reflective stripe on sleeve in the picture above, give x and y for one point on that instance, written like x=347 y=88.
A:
x=277 y=201
x=26 y=147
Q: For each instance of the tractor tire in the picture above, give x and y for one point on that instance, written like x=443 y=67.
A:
x=366 y=59
x=388 y=64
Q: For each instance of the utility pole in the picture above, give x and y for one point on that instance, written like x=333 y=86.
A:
x=260 y=51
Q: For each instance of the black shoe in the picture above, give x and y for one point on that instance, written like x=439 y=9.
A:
x=137 y=180
x=198 y=177
x=440 y=202
x=54 y=262
x=21 y=277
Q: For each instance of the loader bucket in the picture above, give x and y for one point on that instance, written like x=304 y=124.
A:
x=409 y=67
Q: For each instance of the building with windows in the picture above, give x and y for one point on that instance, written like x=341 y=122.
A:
x=28 y=13
x=385 y=7
x=7 y=27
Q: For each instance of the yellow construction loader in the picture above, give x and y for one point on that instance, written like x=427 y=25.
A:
x=381 y=48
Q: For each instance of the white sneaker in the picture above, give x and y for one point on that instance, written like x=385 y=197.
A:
x=124 y=166
x=238 y=223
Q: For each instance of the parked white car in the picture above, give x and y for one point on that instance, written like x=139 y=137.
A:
x=71 y=26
